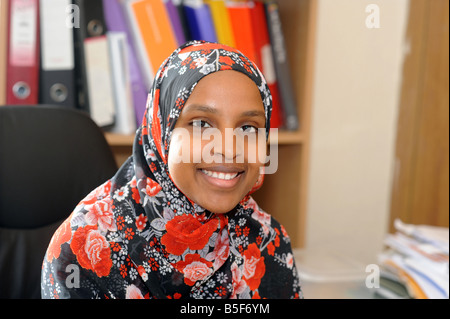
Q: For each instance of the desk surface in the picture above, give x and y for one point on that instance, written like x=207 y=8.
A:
x=336 y=290
x=327 y=274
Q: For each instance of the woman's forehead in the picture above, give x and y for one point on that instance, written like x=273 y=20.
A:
x=226 y=87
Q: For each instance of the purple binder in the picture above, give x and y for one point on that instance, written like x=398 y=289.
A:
x=200 y=22
x=174 y=16
x=115 y=21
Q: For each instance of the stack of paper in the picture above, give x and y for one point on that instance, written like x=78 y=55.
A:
x=416 y=264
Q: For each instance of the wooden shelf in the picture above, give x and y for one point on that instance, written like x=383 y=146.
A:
x=284 y=138
x=118 y=140
x=289 y=138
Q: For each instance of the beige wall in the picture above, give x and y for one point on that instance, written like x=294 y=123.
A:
x=355 y=109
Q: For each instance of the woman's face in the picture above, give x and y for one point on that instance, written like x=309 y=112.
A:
x=218 y=128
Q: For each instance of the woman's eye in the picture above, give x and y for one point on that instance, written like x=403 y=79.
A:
x=249 y=129
x=201 y=124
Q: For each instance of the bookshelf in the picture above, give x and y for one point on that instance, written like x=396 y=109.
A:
x=284 y=138
x=284 y=194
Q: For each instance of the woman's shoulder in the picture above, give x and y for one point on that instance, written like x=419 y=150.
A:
x=92 y=213
x=81 y=241
x=268 y=246
x=265 y=219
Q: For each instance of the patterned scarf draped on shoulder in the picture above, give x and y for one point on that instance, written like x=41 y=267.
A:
x=138 y=236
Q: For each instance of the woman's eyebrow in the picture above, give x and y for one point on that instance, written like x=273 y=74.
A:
x=254 y=113
x=213 y=110
x=201 y=108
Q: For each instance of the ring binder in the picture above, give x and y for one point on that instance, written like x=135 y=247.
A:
x=23 y=52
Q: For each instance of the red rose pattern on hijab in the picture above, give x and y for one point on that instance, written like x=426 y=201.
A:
x=137 y=236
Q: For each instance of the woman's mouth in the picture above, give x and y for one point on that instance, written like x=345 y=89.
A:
x=223 y=178
x=218 y=175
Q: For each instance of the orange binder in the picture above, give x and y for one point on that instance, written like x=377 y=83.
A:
x=23 y=52
x=156 y=37
x=241 y=24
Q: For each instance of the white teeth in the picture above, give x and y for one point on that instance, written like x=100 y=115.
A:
x=222 y=176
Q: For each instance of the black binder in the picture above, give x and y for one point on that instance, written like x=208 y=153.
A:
x=92 y=26
x=282 y=69
x=57 y=71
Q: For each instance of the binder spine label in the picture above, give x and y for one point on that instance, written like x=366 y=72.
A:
x=23 y=33
x=57 y=38
x=278 y=37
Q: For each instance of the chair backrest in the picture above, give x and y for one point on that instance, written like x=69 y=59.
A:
x=50 y=159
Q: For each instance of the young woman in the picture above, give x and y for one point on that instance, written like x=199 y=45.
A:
x=171 y=224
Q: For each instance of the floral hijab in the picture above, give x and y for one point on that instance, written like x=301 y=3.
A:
x=138 y=236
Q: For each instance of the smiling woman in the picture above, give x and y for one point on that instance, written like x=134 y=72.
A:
x=161 y=228
x=221 y=101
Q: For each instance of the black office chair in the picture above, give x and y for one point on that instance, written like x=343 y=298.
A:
x=50 y=159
